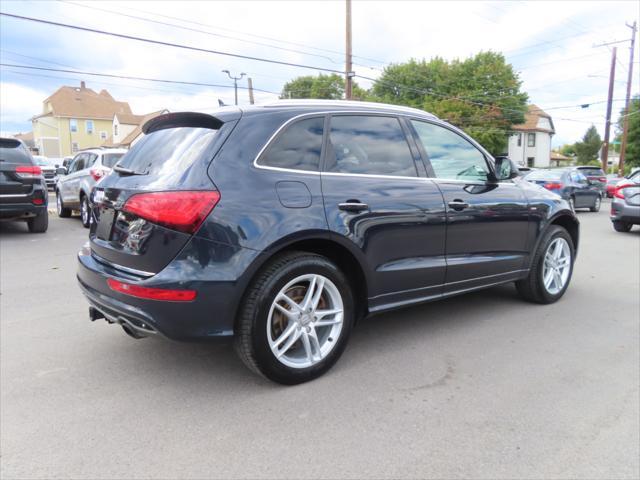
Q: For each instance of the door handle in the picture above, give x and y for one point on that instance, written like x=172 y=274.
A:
x=353 y=206
x=458 y=204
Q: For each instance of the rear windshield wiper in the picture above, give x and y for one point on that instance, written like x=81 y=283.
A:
x=127 y=171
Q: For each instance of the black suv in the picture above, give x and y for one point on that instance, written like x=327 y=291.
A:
x=23 y=191
x=281 y=225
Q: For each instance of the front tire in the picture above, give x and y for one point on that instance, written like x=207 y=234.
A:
x=597 y=204
x=85 y=211
x=295 y=319
x=551 y=269
x=39 y=223
x=620 y=226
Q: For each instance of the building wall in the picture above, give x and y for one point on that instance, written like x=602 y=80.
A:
x=541 y=152
x=59 y=127
x=123 y=130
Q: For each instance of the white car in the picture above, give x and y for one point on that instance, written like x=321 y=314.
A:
x=75 y=184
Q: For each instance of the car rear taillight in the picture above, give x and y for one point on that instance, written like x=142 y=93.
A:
x=97 y=173
x=602 y=179
x=618 y=193
x=31 y=171
x=183 y=211
x=151 y=293
x=553 y=186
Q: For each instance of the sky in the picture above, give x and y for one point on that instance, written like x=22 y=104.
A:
x=552 y=46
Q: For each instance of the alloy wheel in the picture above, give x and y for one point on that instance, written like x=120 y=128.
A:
x=59 y=204
x=84 y=211
x=305 y=321
x=557 y=266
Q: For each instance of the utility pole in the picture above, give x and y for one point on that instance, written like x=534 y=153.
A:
x=250 y=85
x=235 y=82
x=605 y=145
x=348 y=86
x=625 y=122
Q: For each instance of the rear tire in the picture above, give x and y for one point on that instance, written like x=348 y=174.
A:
x=85 y=211
x=316 y=339
x=533 y=288
x=596 y=205
x=60 y=208
x=39 y=223
x=620 y=226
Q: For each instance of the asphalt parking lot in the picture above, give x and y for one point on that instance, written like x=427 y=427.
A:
x=480 y=386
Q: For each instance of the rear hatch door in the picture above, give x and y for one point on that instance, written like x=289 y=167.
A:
x=14 y=184
x=141 y=206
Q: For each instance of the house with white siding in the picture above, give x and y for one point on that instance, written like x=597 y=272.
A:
x=530 y=142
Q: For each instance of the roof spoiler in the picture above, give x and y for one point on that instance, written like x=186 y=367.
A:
x=182 y=119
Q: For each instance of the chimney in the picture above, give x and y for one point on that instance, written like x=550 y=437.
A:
x=82 y=85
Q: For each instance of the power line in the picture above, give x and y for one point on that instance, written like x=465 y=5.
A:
x=169 y=44
x=256 y=36
x=198 y=30
x=130 y=77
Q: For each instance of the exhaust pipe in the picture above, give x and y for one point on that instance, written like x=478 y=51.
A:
x=132 y=332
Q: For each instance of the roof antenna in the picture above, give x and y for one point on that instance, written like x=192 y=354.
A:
x=222 y=104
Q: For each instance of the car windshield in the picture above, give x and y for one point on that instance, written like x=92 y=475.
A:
x=110 y=159
x=545 y=175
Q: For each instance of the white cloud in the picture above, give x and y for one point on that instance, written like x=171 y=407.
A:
x=19 y=102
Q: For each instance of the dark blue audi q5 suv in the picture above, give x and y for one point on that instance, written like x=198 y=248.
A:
x=282 y=224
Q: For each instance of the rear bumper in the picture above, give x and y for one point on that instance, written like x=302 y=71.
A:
x=621 y=211
x=10 y=211
x=210 y=316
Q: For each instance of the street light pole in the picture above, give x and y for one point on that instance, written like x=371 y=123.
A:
x=235 y=82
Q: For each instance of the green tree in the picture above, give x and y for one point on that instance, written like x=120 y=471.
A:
x=568 y=150
x=632 y=152
x=481 y=94
x=587 y=149
x=330 y=87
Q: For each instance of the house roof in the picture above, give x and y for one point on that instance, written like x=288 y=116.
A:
x=559 y=157
x=531 y=118
x=83 y=102
x=129 y=119
x=126 y=141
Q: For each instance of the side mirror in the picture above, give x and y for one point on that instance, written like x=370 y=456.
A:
x=506 y=169
x=61 y=171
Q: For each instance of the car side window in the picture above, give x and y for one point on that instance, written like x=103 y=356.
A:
x=371 y=145
x=91 y=159
x=75 y=163
x=298 y=147
x=451 y=156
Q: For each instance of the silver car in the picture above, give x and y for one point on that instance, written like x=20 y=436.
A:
x=48 y=170
x=85 y=170
x=625 y=205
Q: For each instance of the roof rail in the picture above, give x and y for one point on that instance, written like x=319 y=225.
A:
x=343 y=103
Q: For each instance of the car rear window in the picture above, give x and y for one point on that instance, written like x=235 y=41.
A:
x=592 y=172
x=110 y=159
x=544 y=175
x=168 y=151
x=12 y=151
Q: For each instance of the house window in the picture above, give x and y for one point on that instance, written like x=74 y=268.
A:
x=531 y=140
x=531 y=161
x=103 y=135
x=73 y=125
x=115 y=130
x=74 y=147
x=519 y=139
x=89 y=126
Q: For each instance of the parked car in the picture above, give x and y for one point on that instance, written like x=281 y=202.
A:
x=23 y=190
x=596 y=176
x=625 y=206
x=281 y=225
x=48 y=170
x=612 y=181
x=74 y=186
x=571 y=185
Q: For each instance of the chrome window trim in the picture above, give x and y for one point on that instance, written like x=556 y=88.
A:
x=323 y=115
x=115 y=266
x=14 y=195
